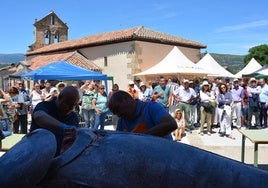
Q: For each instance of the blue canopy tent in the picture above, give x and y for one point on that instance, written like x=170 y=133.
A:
x=63 y=70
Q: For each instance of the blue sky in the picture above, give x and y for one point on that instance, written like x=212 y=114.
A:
x=225 y=26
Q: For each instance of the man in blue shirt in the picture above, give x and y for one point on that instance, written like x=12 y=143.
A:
x=263 y=102
x=161 y=93
x=141 y=117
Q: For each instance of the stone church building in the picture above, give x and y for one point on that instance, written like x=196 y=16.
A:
x=49 y=30
x=119 y=54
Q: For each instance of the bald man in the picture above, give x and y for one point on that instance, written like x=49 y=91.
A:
x=57 y=115
x=141 y=117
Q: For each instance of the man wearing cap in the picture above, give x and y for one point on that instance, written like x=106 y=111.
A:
x=134 y=93
x=253 y=98
x=137 y=84
x=183 y=95
x=237 y=95
x=263 y=102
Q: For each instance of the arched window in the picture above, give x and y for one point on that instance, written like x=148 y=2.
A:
x=47 y=36
x=56 y=37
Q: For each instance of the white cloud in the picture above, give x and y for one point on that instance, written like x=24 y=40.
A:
x=255 y=24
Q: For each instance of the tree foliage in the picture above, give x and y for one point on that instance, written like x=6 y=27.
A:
x=259 y=53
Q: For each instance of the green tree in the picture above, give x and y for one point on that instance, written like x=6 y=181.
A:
x=259 y=53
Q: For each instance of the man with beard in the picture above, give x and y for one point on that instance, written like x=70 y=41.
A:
x=57 y=115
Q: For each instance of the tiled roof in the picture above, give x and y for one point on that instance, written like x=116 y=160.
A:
x=9 y=69
x=6 y=71
x=137 y=33
x=73 y=57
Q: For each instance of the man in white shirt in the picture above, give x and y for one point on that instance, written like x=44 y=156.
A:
x=254 y=109
x=183 y=95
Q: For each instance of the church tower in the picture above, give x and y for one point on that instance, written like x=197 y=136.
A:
x=49 y=30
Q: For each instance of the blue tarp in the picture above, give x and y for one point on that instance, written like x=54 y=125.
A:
x=63 y=70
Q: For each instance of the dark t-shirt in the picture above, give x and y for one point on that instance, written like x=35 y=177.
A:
x=50 y=108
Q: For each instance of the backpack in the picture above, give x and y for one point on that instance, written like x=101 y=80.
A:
x=254 y=100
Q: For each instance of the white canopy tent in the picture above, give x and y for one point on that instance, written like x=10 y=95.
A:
x=263 y=72
x=251 y=67
x=174 y=63
x=213 y=68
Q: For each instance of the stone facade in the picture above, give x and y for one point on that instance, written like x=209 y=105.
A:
x=119 y=54
x=49 y=30
x=125 y=59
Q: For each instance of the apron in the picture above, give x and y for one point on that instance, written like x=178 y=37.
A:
x=139 y=128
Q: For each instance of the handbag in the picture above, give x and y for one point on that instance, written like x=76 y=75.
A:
x=207 y=107
x=193 y=100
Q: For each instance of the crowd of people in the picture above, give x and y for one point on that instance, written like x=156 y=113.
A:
x=18 y=102
x=199 y=104
x=202 y=104
x=167 y=108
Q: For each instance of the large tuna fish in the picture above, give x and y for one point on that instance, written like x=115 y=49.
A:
x=112 y=159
